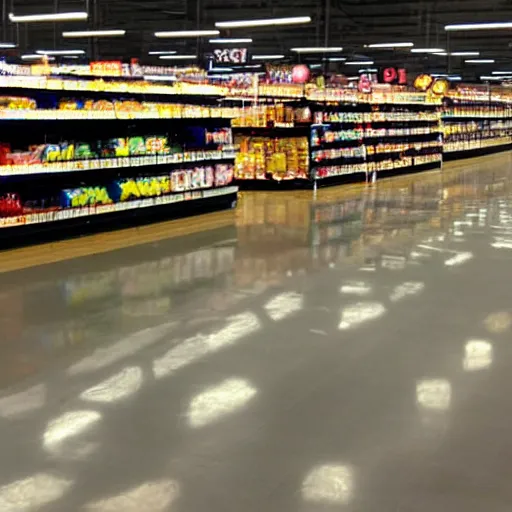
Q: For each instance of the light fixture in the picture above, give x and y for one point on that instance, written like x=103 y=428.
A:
x=389 y=45
x=369 y=70
x=488 y=78
x=270 y=22
x=178 y=57
x=94 y=33
x=502 y=72
x=231 y=40
x=465 y=54
x=315 y=66
x=163 y=52
x=479 y=61
x=220 y=70
x=60 y=52
x=60 y=16
x=35 y=56
x=187 y=33
x=317 y=49
x=360 y=63
x=427 y=50
x=478 y=26
x=337 y=59
x=455 y=78
x=8 y=45
x=267 y=57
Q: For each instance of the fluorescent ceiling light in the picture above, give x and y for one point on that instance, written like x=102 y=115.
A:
x=187 y=33
x=478 y=26
x=178 y=57
x=455 y=78
x=94 y=33
x=465 y=54
x=353 y=78
x=492 y=78
x=162 y=52
x=369 y=70
x=427 y=50
x=231 y=40
x=315 y=66
x=337 y=59
x=317 y=49
x=8 y=45
x=502 y=72
x=264 y=23
x=35 y=56
x=359 y=63
x=220 y=70
x=60 y=52
x=267 y=57
x=389 y=45
x=439 y=75
x=61 y=16
x=479 y=61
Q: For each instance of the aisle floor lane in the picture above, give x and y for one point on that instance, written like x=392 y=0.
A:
x=349 y=352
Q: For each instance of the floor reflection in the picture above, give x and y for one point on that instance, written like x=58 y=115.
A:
x=206 y=372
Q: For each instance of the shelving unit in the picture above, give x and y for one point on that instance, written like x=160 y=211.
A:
x=476 y=121
x=109 y=159
x=336 y=135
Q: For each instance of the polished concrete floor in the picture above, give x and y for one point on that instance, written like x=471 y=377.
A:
x=350 y=351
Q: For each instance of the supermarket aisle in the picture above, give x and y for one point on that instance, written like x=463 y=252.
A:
x=349 y=353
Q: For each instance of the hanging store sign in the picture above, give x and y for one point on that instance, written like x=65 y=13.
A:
x=230 y=56
x=393 y=76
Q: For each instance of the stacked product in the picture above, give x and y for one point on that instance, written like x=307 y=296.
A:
x=104 y=155
x=476 y=121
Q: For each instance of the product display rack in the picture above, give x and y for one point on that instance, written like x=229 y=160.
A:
x=72 y=162
x=350 y=136
x=476 y=121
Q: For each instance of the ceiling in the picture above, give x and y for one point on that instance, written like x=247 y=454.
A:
x=347 y=23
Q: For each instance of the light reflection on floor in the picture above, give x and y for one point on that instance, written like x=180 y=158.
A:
x=207 y=372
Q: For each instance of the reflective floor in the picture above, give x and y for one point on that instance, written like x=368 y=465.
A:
x=346 y=352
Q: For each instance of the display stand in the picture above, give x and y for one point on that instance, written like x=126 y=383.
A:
x=335 y=136
x=476 y=121
x=75 y=159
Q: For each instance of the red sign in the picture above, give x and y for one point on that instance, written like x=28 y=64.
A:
x=107 y=68
x=393 y=76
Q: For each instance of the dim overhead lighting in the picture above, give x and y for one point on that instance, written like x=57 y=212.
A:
x=389 y=45
x=8 y=45
x=60 y=52
x=187 y=33
x=267 y=57
x=360 y=63
x=270 y=22
x=36 y=56
x=427 y=50
x=178 y=57
x=317 y=49
x=94 y=33
x=60 y=16
x=478 y=26
x=231 y=40
x=479 y=61
x=465 y=54
x=162 y=52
